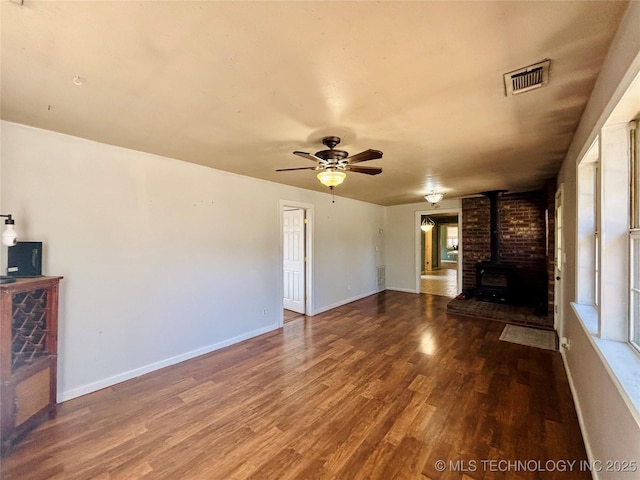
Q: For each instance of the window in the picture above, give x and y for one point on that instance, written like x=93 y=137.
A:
x=634 y=301
x=588 y=239
x=604 y=250
x=595 y=236
x=634 y=237
x=558 y=254
x=452 y=237
x=608 y=244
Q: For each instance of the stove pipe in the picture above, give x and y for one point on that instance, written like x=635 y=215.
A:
x=494 y=222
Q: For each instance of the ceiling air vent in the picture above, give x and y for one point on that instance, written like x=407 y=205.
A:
x=527 y=78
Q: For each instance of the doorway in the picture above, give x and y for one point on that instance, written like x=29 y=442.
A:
x=439 y=254
x=296 y=259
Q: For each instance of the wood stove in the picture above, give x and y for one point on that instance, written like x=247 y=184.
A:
x=495 y=280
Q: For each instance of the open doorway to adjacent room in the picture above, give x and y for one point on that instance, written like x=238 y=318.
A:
x=439 y=254
x=296 y=252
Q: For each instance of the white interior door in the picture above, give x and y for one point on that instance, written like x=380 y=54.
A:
x=558 y=262
x=293 y=259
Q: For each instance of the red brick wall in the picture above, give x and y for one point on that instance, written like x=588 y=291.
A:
x=522 y=229
x=523 y=233
x=475 y=237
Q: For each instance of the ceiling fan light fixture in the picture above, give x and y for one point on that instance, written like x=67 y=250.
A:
x=331 y=178
x=433 y=197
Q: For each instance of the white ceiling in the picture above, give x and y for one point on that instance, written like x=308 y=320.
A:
x=238 y=86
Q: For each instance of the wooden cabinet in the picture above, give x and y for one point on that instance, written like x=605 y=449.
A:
x=28 y=354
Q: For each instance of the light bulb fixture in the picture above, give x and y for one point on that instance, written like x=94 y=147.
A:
x=433 y=197
x=331 y=178
x=9 y=236
x=427 y=224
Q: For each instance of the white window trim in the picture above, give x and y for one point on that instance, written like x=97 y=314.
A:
x=634 y=234
x=588 y=237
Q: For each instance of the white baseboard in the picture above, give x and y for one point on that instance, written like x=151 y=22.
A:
x=344 y=302
x=405 y=290
x=576 y=403
x=136 y=372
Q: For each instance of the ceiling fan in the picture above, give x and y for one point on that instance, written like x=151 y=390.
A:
x=332 y=164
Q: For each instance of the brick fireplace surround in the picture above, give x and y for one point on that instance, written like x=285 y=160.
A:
x=526 y=233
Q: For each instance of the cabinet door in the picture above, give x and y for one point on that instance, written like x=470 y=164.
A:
x=32 y=395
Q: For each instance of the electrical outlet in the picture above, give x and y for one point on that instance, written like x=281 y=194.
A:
x=565 y=343
x=264 y=311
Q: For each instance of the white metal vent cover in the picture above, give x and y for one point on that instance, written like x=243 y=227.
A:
x=527 y=78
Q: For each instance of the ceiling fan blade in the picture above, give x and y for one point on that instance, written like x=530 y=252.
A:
x=299 y=168
x=364 y=156
x=367 y=170
x=308 y=156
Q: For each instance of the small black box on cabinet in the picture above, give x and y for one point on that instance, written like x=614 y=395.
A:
x=24 y=260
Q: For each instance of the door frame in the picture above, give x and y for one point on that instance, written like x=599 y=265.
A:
x=308 y=246
x=417 y=243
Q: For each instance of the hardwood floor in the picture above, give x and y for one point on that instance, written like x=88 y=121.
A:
x=381 y=388
x=440 y=282
x=290 y=316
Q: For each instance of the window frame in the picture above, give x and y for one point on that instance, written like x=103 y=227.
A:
x=634 y=237
x=588 y=205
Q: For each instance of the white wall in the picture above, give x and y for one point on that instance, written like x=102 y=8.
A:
x=349 y=246
x=164 y=260
x=609 y=429
x=400 y=241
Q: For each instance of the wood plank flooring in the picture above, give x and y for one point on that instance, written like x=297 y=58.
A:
x=289 y=315
x=381 y=388
x=443 y=282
